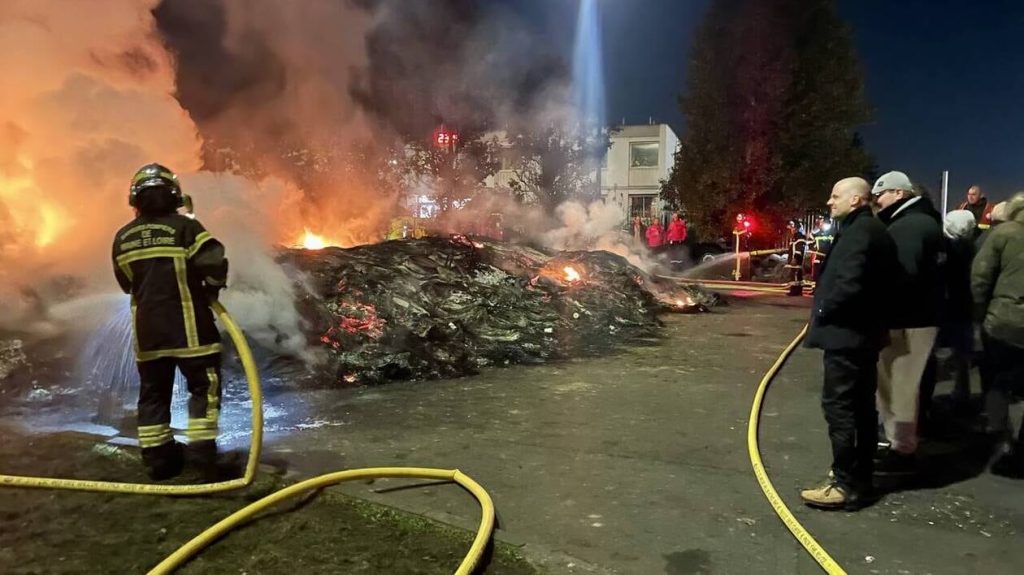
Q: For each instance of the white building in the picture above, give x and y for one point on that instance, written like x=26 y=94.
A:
x=639 y=159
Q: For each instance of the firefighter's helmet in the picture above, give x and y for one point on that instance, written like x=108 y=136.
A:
x=155 y=176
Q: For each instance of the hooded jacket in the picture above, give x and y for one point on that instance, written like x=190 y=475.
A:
x=997 y=278
x=959 y=229
x=916 y=227
x=676 y=233
x=655 y=235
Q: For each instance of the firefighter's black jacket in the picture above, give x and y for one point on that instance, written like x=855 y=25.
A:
x=169 y=264
x=822 y=242
x=858 y=280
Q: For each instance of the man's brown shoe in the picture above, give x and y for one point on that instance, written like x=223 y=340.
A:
x=828 y=496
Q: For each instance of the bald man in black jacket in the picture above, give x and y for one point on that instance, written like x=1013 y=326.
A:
x=847 y=323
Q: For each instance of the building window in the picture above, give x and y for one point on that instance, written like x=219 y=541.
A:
x=643 y=155
x=642 y=206
x=508 y=160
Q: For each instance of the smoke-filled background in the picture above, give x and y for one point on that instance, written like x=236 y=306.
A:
x=301 y=107
x=86 y=96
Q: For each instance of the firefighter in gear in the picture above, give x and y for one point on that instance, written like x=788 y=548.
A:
x=172 y=268
x=821 y=242
x=797 y=240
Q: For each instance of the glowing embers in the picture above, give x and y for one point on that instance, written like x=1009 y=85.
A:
x=571 y=275
x=354 y=319
x=685 y=302
x=680 y=302
x=560 y=273
x=464 y=240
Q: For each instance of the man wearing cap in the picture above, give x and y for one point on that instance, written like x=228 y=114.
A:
x=916 y=228
x=848 y=326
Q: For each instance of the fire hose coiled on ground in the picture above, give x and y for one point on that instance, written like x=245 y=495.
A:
x=204 y=539
x=810 y=544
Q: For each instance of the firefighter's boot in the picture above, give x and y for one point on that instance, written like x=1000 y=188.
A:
x=164 y=461
x=203 y=456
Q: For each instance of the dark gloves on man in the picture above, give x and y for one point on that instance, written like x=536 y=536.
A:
x=212 y=285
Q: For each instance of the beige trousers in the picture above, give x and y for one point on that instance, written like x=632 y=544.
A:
x=900 y=366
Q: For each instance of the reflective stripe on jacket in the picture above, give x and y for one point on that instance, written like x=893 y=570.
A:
x=163 y=263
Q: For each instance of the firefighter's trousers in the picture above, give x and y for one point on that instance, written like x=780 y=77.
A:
x=157 y=383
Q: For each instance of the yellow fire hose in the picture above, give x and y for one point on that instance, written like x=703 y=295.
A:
x=207 y=537
x=809 y=543
x=729 y=286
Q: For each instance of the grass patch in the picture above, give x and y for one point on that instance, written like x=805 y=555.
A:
x=63 y=532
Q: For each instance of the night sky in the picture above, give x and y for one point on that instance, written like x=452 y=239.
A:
x=945 y=78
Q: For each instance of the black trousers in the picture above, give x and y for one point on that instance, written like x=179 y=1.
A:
x=848 y=399
x=1004 y=372
x=202 y=375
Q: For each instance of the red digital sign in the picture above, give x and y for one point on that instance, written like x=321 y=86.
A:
x=445 y=138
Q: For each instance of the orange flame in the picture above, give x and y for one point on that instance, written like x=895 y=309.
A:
x=37 y=218
x=571 y=275
x=311 y=241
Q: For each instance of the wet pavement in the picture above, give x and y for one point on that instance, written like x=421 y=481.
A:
x=637 y=462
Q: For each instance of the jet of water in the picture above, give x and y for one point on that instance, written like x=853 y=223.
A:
x=106 y=366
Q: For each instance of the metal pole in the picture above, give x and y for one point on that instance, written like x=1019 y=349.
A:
x=945 y=193
x=736 y=274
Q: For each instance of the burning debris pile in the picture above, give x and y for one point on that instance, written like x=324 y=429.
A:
x=437 y=307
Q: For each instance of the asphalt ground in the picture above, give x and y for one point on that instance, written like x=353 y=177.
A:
x=637 y=462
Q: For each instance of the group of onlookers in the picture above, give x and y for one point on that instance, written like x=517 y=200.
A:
x=900 y=282
x=654 y=235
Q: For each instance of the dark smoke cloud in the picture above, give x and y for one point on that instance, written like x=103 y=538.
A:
x=466 y=62
x=469 y=63
x=212 y=79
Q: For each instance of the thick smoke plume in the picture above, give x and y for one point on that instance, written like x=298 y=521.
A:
x=86 y=98
x=328 y=94
x=308 y=104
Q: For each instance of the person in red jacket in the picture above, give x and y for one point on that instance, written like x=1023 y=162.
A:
x=655 y=234
x=676 y=230
x=978 y=205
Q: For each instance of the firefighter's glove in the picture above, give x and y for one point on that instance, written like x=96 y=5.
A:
x=212 y=291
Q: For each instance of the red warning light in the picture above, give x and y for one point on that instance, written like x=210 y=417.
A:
x=744 y=223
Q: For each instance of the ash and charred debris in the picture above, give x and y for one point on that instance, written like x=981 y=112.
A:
x=12 y=357
x=444 y=307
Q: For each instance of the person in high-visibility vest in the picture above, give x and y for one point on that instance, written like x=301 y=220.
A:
x=978 y=204
x=797 y=240
x=821 y=242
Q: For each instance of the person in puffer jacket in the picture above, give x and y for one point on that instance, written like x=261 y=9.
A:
x=916 y=228
x=997 y=286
